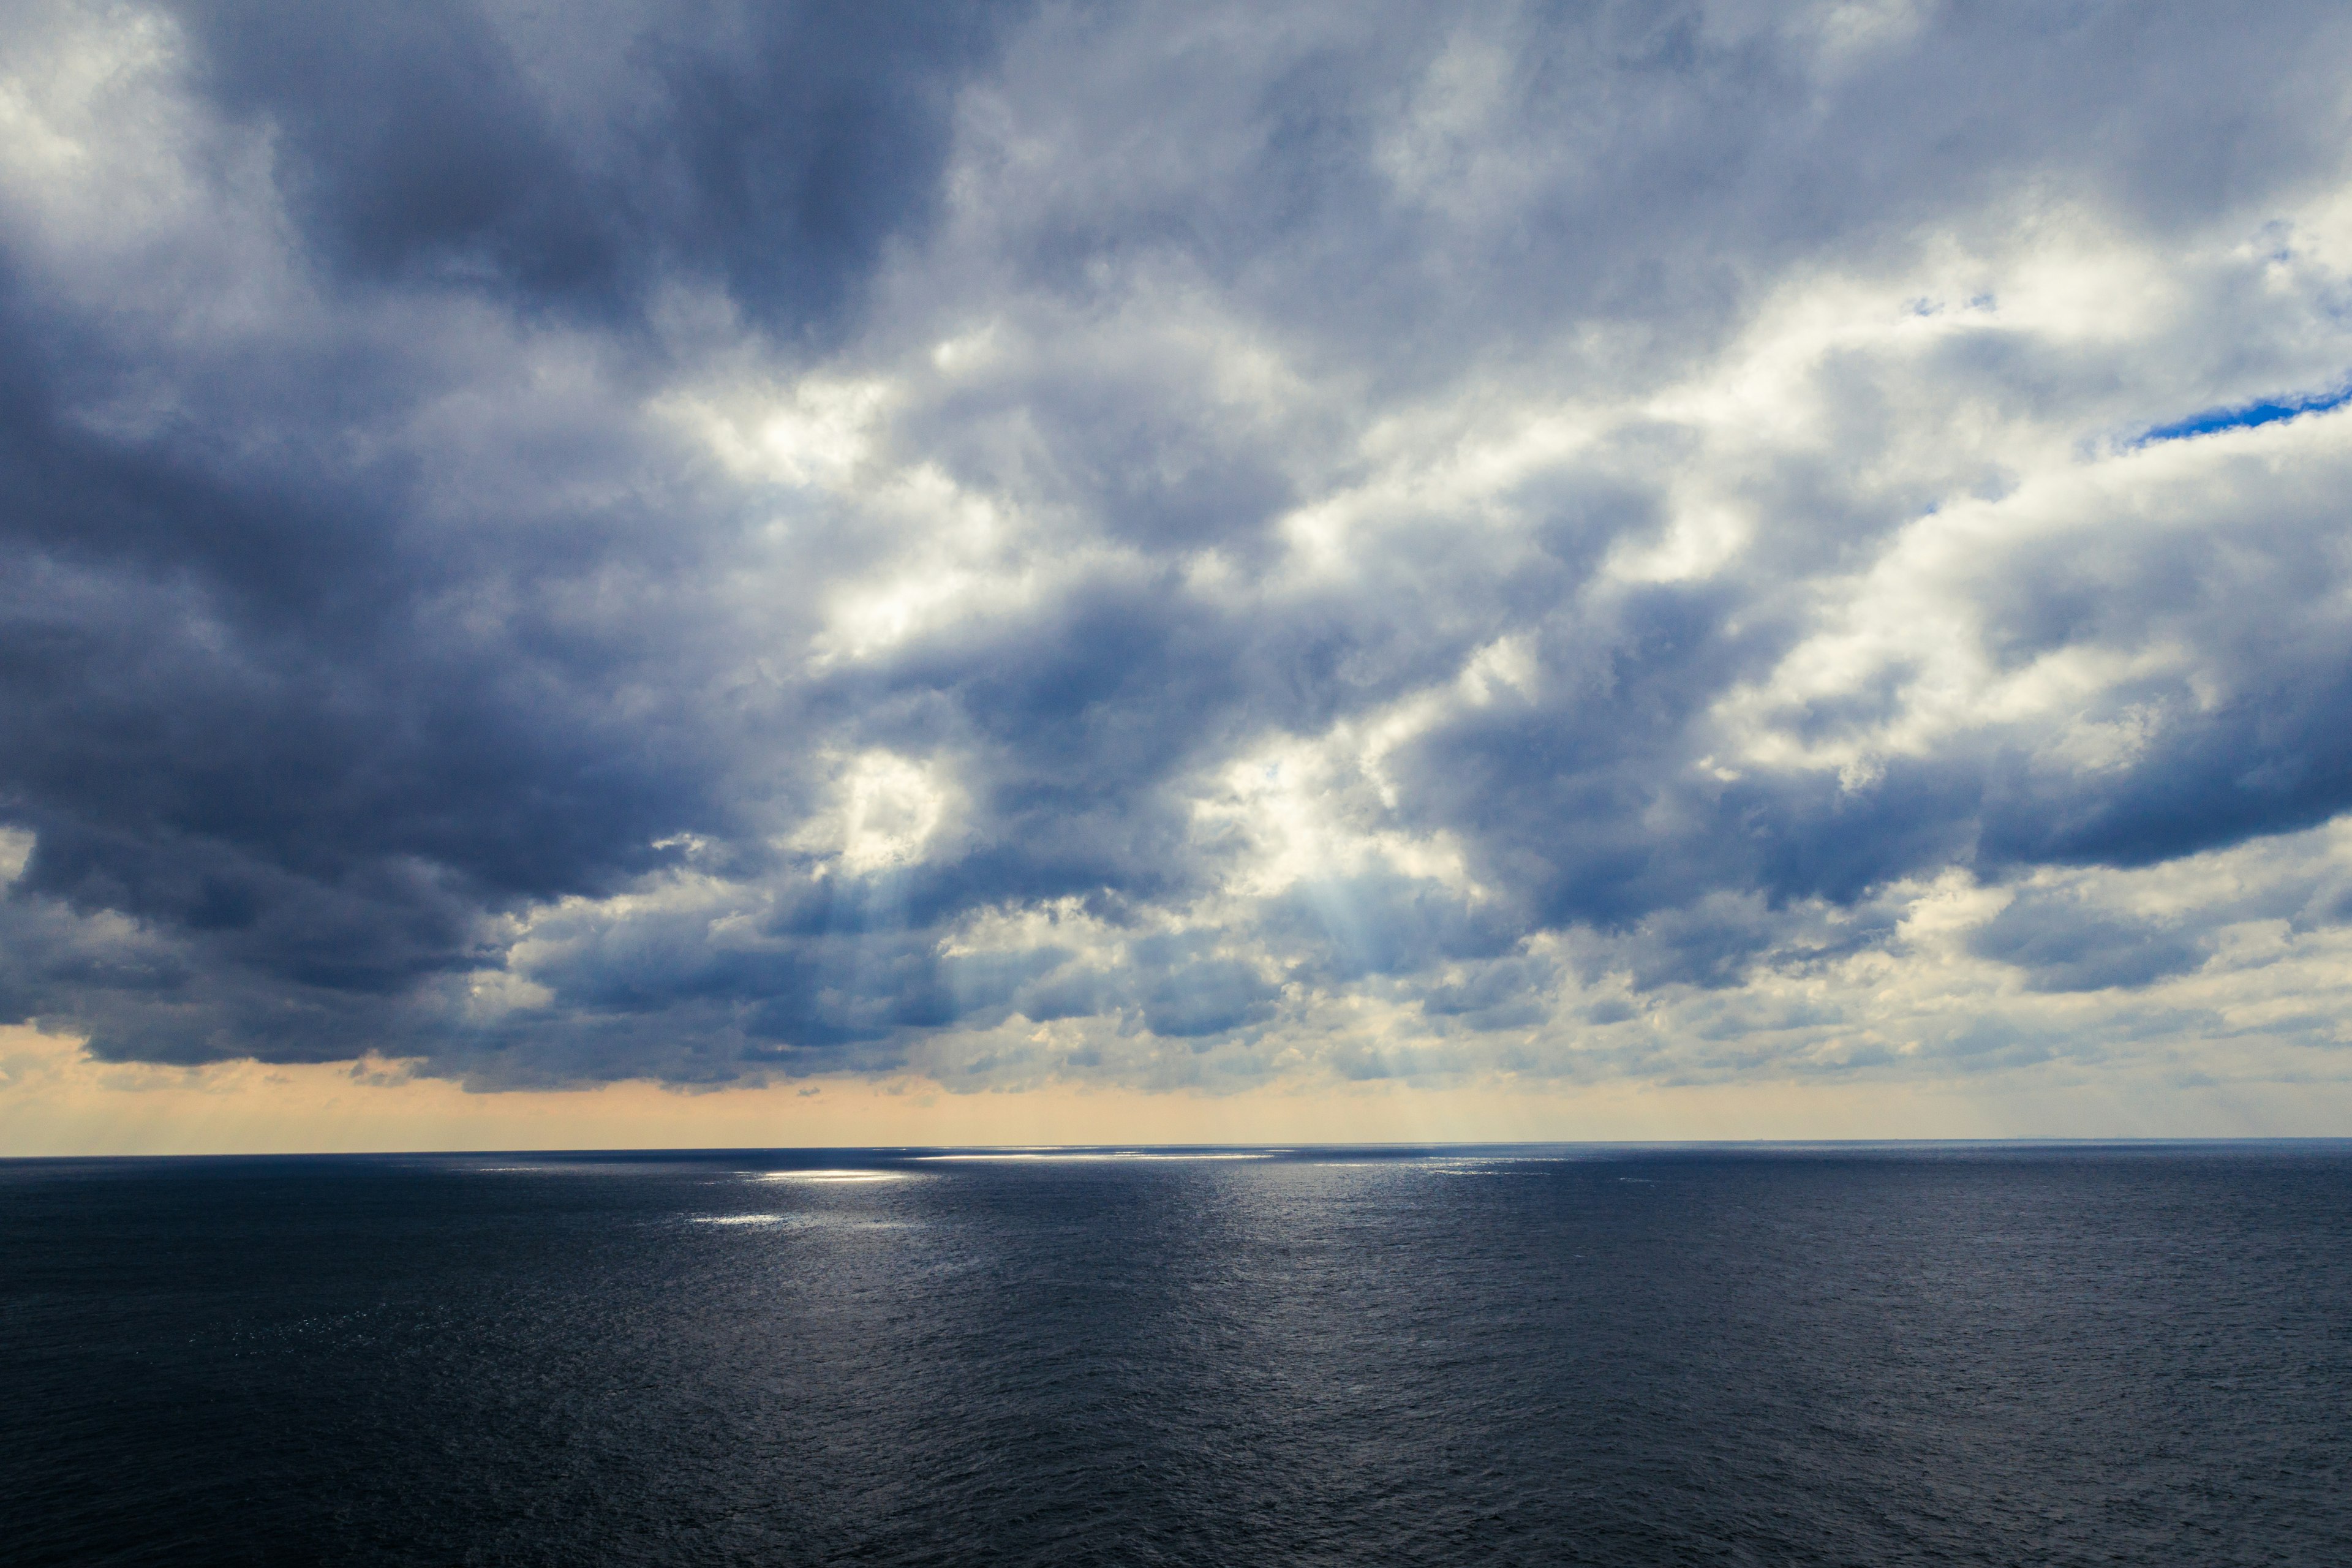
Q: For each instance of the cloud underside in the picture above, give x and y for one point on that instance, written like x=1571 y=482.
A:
x=709 y=543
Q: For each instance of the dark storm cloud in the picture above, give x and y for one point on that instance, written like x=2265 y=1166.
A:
x=2063 y=948
x=225 y=682
x=236 y=681
x=701 y=539
x=581 y=158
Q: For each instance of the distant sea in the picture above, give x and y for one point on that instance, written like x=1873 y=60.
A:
x=1824 y=1354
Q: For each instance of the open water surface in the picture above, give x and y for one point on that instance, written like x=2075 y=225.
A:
x=1911 y=1355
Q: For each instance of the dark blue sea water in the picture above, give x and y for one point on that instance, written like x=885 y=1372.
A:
x=1827 y=1355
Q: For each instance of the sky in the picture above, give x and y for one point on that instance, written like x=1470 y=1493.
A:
x=673 y=573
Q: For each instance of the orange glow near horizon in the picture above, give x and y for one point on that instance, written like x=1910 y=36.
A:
x=56 y=1100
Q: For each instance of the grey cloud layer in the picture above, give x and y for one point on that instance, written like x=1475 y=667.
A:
x=703 y=541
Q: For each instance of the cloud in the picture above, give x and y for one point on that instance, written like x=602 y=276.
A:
x=2064 y=948
x=582 y=164
x=714 y=542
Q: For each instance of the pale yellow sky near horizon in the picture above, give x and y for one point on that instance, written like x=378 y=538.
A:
x=56 y=1100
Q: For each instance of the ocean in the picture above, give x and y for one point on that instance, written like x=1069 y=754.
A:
x=1760 y=1355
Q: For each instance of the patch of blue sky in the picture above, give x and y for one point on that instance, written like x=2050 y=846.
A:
x=2270 y=411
